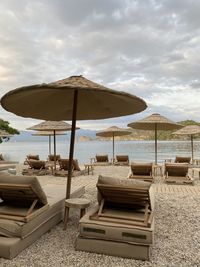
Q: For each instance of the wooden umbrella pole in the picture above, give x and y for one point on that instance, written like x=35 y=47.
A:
x=155 y=143
x=71 y=151
x=54 y=145
x=192 y=148
x=113 y=147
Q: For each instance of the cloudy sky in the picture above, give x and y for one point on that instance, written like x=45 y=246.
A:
x=150 y=48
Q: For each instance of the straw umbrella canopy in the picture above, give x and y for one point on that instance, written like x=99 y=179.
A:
x=155 y=122
x=54 y=126
x=49 y=134
x=112 y=132
x=73 y=98
x=190 y=130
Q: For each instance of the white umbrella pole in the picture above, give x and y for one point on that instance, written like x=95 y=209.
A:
x=71 y=150
x=113 y=148
x=49 y=144
x=192 y=148
x=54 y=143
x=155 y=143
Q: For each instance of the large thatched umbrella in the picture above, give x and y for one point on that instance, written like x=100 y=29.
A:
x=49 y=134
x=73 y=98
x=54 y=126
x=190 y=130
x=155 y=122
x=112 y=132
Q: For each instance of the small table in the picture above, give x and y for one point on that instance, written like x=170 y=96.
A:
x=89 y=168
x=157 y=167
x=195 y=170
x=78 y=203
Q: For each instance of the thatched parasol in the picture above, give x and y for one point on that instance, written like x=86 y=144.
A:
x=112 y=132
x=49 y=134
x=73 y=98
x=190 y=130
x=54 y=126
x=155 y=122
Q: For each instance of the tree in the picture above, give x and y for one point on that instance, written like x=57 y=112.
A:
x=4 y=125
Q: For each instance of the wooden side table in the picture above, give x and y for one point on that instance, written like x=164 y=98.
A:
x=157 y=167
x=77 y=203
x=89 y=168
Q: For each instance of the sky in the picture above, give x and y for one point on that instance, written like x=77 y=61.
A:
x=149 y=48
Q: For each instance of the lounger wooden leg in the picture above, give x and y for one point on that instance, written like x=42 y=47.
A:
x=66 y=216
x=82 y=212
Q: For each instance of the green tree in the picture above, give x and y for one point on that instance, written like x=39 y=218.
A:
x=4 y=125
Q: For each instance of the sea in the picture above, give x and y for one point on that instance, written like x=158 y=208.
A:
x=84 y=151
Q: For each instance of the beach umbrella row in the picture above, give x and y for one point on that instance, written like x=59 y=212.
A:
x=73 y=98
x=190 y=130
x=155 y=122
x=54 y=126
x=49 y=134
x=112 y=132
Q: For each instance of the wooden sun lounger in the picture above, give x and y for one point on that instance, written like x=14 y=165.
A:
x=142 y=171
x=23 y=195
x=122 y=160
x=133 y=201
x=177 y=173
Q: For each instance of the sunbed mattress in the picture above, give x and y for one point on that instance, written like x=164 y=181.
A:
x=120 y=249
x=114 y=231
x=179 y=180
x=55 y=198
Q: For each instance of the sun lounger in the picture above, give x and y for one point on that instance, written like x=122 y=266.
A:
x=51 y=157
x=122 y=160
x=177 y=173
x=141 y=171
x=122 y=224
x=31 y=157
x=64 y=167
x=179 y=159
x=36 y=167
x=21 y=223
x=101 y=160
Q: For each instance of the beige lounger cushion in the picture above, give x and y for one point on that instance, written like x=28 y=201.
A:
x=114 y=231
x=114 y=248
x=121 y=182
x=36 y=191
x=55 y=196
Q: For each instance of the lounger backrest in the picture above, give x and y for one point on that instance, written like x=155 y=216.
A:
x=141 y=168
x=176 y=169
x=35 y=157
x=51 y=157
x=36 y=164
x=1 y=157
x=123 y=191
x=64 y=164
x=122 y=158
x=182 y=159
x=21 y=189
x=102 y=158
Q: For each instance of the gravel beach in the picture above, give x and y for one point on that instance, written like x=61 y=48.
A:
x=177 y=231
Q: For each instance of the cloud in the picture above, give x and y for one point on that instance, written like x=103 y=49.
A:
x=150 y=48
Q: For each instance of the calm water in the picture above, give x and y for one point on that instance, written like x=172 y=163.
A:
x=137 y=150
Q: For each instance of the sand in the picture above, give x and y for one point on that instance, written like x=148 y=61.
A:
x=177 y=230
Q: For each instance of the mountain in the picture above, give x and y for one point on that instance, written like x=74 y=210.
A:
x=26 y=136
x=83 y=135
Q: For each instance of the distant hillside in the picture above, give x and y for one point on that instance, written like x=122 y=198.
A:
x=85 y=135
x=26 y=136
